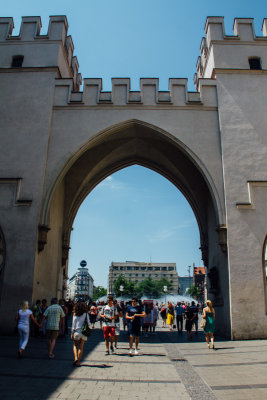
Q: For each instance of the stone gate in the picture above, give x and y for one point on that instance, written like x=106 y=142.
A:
x=58 y=143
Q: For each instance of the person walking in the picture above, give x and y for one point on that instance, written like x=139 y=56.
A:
x=79 y=316
x=118 y=315
x=189 y=318
x=209 y=315
x=179 y=310
x=163 y=314
x=37 y=313
x=195 y=310
x=93 y=314
x=170 y=315
x=53 y=314
x=23 y=317
x=134 y=313
x=108 y=315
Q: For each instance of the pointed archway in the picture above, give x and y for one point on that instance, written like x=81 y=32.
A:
x=129 y=143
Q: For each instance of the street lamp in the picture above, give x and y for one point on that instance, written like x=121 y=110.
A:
x=165 y=289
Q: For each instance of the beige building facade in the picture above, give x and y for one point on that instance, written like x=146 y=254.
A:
x=58 y=143
x=139 y=271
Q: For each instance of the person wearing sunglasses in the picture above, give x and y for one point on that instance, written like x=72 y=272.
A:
x=134 y=313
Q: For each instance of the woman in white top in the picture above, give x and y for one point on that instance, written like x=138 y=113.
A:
x=23 y=317
x=79 y=315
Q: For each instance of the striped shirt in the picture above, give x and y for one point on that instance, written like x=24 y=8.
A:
x=53 y=314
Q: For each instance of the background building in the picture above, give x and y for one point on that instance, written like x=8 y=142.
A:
x=184 y=283
x=139 y=271
x=199 y=279
x=81 y=285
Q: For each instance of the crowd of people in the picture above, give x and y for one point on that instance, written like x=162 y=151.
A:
x=137 y=318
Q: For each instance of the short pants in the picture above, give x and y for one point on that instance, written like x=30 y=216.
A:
x=134 y=330
x=79 y=336
x=109 y=331
x=52 y=334
x=117 y=328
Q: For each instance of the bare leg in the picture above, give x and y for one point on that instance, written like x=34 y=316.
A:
x=75 y=349
x=116 y=340
x=212 y=340
x=136 y=342
x=131 y=342
x=80 y=351
x=208 y=339
x=107 y=344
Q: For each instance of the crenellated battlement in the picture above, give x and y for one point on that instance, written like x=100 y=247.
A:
x=31 y=27
x=55 y=49
x=149 y=94
x=218 y=50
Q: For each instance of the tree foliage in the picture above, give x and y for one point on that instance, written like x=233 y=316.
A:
x=128 y=286
x=148 y=287
x=99 y=291
x=194 y=291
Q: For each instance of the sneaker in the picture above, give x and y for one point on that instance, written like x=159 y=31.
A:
x=131 y=352
x=106 y=353
x=136 y=352
x=112 y=349
x=51 y=356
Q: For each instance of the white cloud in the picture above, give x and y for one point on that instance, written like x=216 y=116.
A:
x=110 y=183
x=167 y=233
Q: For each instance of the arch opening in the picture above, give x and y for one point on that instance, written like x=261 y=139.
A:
x=135 y=143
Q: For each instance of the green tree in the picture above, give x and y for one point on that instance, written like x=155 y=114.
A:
x=99 y=291
x=128 y=286
x=194 y=292
x=152 y=288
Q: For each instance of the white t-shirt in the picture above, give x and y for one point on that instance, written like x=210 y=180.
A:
x=108 y=311
x=78 y=321
x=24 y=318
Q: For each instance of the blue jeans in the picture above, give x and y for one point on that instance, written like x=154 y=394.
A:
x=24 y=332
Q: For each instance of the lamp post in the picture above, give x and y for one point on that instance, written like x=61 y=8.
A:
x=165 y=289
x=121 y=289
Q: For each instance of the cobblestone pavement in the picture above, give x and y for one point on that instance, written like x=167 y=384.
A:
x=168 y=367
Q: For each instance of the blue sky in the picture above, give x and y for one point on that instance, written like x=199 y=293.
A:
x=136 y=214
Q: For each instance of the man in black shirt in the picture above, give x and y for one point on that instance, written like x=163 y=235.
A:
x=134 y=313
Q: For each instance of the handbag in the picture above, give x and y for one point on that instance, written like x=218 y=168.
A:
x=86 y=330
x=203 y=323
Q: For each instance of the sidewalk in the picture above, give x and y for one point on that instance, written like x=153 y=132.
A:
x=168 y=367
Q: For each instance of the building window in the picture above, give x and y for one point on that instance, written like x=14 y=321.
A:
x=136 y=268
x=254 y=63
x=17 y=61
x=171 y=268
x=143 y=274
x=157 y=268
x=143 y=268
x=149 y=268
x=130 y=275
x=164 y=269
x=136 y=274
x=156 y=275
x=121 y=268
x=115 y=268
x=129 y=268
